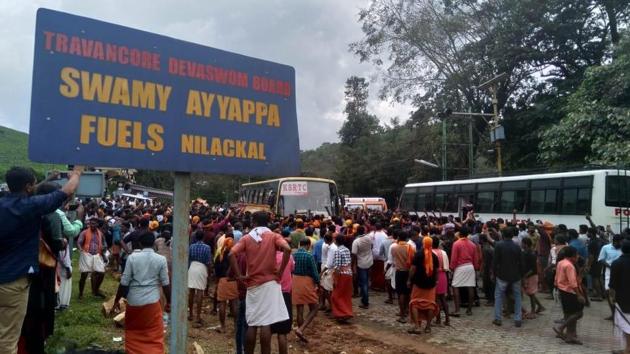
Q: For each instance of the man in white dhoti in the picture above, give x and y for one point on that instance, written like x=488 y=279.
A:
x=264 y=301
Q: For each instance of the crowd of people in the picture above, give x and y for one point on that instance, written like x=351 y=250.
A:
x=262 y=268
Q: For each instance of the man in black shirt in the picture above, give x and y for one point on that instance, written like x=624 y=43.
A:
x=620 y=291
x=595 y=268
x=508 y=270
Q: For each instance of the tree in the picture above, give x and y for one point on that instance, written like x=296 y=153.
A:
x=358 y=122
x=434 y=53
x=596 y=127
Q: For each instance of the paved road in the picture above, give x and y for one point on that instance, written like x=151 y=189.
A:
x=477 y=334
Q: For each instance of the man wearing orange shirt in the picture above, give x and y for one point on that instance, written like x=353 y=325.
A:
x=571 y=295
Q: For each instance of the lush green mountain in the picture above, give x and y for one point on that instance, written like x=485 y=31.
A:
x=14 y=152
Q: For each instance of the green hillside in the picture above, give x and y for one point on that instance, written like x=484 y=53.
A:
x=14 y=152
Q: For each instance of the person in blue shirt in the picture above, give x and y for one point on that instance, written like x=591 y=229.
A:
x=20 y=215
x=608 y=254
x=575 y=242
x=317 y=252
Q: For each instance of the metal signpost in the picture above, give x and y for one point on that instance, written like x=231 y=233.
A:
x=108 y=95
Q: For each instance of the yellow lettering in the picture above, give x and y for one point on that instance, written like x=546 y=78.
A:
x=194 y=103
x=70 y=88
x=120 y=92
x=155 y=142
x=124 y=132
x=187 y=143
x=96 y=86
x=252 y=151
x=273 y=120
x=197 y=144
x=163 y=93
x=137 y=136
x=235 y=110
x=248 y=110
x=223 y=105
x=143 y=94
x=87 y=128
x=228 y=148
x=261 y=111
x=208 y=100
x=215 y=147
x=204 y=146
x=261 y=151
x=240 y=149
x=106 y=133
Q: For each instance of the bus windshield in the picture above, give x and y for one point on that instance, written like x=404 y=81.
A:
x=307 y=196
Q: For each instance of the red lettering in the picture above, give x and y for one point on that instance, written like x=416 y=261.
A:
x=617 y=211
x=123 y=55
x=86 y=46
x=98 y=51
x=111 y=52
x=75 y=46
x=61 y=43
x=48 y=42
x=155 y=61
x=135 y=57
x=172 y=66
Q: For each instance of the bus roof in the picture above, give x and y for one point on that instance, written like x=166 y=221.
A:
x=519 y=178
x=362 y=200
x=284 y=179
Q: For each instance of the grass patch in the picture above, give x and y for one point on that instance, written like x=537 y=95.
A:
x=82 y=325
x=14 y=147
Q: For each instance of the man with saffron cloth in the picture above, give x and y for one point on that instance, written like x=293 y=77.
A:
x=305 y=280
x=341 y=298
x=263 y=302
x=145 y=272
x=423 y=275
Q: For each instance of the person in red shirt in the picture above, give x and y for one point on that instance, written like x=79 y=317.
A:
x=464 y=261
x=264 y=301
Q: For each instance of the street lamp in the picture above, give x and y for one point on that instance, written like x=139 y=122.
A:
x=497 y=133
x=426 y=163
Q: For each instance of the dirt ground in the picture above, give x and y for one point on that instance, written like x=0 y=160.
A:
x=325 y=336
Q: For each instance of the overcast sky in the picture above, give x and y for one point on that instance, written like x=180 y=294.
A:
x=312 y=36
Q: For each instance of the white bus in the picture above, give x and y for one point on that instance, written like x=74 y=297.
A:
x=560 y=198
x=292 y=195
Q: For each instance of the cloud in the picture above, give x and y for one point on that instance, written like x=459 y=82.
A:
x=312 y=36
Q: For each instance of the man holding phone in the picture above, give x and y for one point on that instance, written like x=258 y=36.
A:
x=21 y=213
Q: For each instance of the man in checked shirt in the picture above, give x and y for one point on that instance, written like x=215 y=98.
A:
x=199 y=259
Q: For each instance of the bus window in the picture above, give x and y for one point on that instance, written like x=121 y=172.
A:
x=569 y=201
x=511 y=200
x=485 y=202
x=408 y=199
x=543 y=201
x=576 y=201
x=617 y=191
x=424 y=201
x=551 y=201
x=440 y=201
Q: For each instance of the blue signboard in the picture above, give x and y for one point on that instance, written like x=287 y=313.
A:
x=108 y=95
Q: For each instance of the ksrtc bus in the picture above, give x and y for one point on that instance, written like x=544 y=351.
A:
x=367 y=204
x=292 y=195
x=560 y=198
